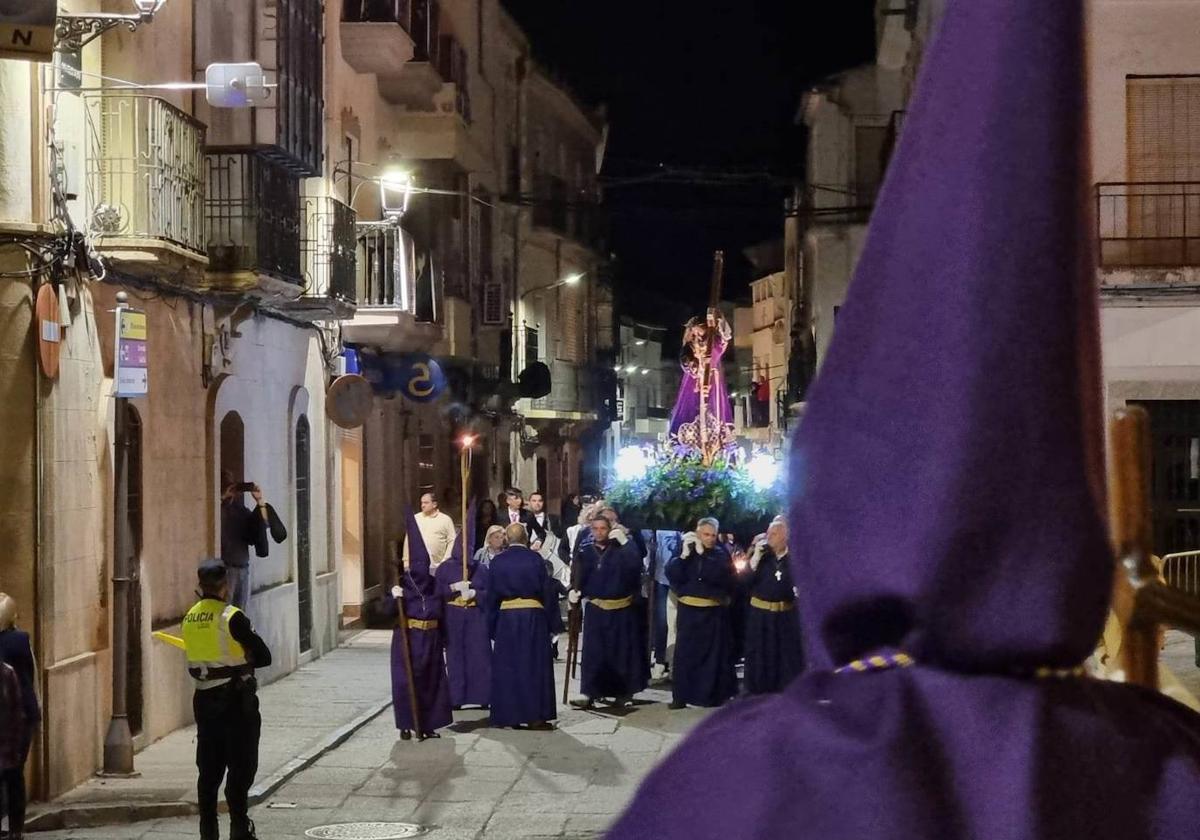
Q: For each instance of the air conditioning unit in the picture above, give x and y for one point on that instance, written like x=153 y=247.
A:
x=27 y=29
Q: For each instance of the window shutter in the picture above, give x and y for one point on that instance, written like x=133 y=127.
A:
x=492 y=311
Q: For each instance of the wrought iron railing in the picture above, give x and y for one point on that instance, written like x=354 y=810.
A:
x=328 y=249
x=425 y=29
x=377 y=11
x=393 y=272
x=145 y=170
x=1182 y=571
x=1148 y=224
x=253 y=215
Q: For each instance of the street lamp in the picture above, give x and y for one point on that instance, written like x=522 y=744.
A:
x=395 y=188
x=74 y=32
x=569 y=280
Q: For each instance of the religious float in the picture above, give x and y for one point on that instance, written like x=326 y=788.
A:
x=700 y=470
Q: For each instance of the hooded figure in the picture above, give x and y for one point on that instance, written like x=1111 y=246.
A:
x=947 y=606
x=423 y=611
x=468 y=648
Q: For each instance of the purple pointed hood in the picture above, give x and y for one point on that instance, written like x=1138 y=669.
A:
x=948 y=475
x=418 y=554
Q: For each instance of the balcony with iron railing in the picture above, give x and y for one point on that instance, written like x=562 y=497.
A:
x=415 y=82
x=145 y=177
x=375 y=35
x=398 y=289
x=1148 y=225
x=572 y=394
x=252 y=211
x=560 y=212
x=328 y=248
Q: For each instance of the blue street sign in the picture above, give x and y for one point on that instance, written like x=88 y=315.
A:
x=416 y=377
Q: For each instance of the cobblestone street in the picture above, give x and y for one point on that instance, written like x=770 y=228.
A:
x=474 y=782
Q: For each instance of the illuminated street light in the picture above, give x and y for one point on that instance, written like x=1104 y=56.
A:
x=631 y=463
x=395 y=188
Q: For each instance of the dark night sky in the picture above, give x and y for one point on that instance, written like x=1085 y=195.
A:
x=705 y=84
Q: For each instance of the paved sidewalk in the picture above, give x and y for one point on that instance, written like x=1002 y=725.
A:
x=305 y=715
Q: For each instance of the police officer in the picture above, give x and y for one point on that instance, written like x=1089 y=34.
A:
x=222 y=652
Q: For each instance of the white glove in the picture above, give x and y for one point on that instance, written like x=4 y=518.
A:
x=460 y=585
x=620 y=535
x=691 y=544
x=468 y=594
x=756 y=555
x=574 y=596
x=397 y=591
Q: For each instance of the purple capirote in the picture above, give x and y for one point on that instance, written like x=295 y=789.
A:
x=947 y=501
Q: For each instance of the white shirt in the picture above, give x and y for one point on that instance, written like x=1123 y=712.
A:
x=514 y=516
x=438 y=533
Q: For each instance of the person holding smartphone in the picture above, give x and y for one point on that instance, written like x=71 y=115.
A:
x=241 y=529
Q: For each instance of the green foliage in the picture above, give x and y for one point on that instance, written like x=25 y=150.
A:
x=677 y=491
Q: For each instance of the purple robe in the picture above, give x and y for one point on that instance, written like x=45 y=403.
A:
x=522 y=662
x=948 y=507
x=615 y=661
x=703 y=669
x=687 y=403
x=422 y=603
x=774 y=656
x=468 y=648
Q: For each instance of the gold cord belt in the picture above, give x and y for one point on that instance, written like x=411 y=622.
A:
x=420 y=624
x=695 y=601
x=771 y=606
x=521 y=604
x=459 y=602
x=612 y=603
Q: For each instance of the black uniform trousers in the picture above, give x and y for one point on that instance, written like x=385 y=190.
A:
x=227 y=731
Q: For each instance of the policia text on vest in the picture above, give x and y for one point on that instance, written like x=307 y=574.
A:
x=222 y=652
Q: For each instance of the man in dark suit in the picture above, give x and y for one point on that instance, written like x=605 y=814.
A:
x=513 y=512
x=541 y=523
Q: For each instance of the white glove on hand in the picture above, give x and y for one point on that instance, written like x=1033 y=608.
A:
x=459 y=586
x=397 y=591
x=468 y=594
x=756 y=555
x=620 y=535
x=691 y=544
x=574 y=596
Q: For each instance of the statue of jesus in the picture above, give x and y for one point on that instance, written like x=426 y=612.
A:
x=703 y=417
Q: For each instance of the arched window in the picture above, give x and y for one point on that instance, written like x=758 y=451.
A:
x=233 y=446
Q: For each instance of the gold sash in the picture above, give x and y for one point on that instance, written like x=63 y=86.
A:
x=771 y=606
x=419 y=624
x=521 y=604
x=612 y=603
x=696 y=601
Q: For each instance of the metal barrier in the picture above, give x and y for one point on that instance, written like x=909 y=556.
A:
x=1182 y=571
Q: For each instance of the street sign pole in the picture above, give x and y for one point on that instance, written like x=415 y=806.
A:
x=129 y=379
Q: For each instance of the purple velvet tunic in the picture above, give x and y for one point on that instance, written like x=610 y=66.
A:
x=947 y=503
x=522 y=663
x=687 y=403
x=468 y=648
x=615 y=661
x=421 y=604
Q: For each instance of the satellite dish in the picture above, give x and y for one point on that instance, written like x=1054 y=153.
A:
x=348 y=401
x=534 y=381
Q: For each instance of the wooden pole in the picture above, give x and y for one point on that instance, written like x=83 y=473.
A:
x=1131 y=533
x=464 y=469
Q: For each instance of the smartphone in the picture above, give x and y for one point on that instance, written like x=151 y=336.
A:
x=244 y=487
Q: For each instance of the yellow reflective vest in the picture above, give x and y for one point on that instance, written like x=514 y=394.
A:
x=208 y=643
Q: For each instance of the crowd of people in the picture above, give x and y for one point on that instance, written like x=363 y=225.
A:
x=687 y=607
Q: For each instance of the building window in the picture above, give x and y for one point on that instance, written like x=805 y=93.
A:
x=425 y=464
x=1164 y=128
x=532 y=349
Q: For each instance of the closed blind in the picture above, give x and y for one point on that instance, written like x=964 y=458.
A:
x=1164 y=129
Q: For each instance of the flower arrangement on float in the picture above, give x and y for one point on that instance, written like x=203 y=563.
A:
x=668 y=488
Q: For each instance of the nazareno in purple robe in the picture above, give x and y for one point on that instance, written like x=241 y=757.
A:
x=615 y=661
x=422 y=603
x=522 y=662
x=468 y=648
x=703 y=670
x=948 y=504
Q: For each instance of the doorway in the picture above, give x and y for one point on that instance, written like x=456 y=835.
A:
x=1175 y=474
x=303 y=541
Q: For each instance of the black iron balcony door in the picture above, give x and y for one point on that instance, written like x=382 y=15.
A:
x=1175 y=474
